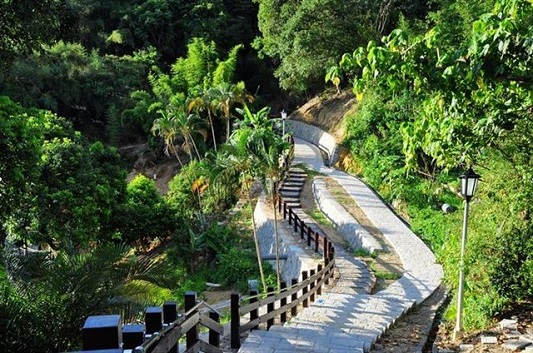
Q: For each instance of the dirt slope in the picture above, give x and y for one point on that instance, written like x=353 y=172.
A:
x=327 y=112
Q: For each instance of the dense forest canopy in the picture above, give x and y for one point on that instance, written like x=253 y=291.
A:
x=441 y=85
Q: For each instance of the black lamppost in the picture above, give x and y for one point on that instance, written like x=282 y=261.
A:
x=469 y=182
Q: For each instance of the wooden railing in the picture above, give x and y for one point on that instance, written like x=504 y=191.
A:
x=288 y=299
x=162 y=329
x=320 y=242
x=187 y=325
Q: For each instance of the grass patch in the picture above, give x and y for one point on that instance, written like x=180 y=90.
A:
x=320 y=218
x=379 y=272
x=364 y=253
x=387 y=276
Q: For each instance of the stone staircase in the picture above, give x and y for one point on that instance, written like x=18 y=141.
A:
x=347 y=318
x=353 y=275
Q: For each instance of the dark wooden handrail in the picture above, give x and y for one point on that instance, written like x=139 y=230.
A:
x=288 y=299
x=318 y=240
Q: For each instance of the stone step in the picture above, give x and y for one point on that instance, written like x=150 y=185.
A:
x=290 y=187
x=294 y=204
x=297 y=179
x=296 y=183
x=289 y=194
x=291 y=199
x=292 y=339
x=298 y=172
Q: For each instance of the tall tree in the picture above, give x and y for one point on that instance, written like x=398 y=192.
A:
x=303 y=37
x=257 y=133
x=224 y=97
x=26 y=25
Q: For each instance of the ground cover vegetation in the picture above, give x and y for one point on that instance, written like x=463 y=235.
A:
x=80 y=78
x=434 y=100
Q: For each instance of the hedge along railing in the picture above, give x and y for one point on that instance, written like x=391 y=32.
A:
x=162 y=329
x=299 y=293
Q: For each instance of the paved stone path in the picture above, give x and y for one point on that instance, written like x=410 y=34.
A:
x=346 y=320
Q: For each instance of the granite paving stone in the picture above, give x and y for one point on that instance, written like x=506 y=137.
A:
x=348 y=318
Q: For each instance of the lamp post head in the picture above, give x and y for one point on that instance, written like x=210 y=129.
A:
x=469 y=182
x=283 y=114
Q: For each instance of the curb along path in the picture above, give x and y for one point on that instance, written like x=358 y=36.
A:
x=347 y=318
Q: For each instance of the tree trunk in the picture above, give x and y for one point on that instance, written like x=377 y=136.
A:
x=256 y=241
x=195 y=148
x=276 y=234
x=212 y=130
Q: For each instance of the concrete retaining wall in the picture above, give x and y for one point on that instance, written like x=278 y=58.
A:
x=318 y=137
x=356 y=235
x=297 y=260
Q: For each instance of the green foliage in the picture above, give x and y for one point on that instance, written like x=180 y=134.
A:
x=25 y=25
x=191 y=192
x=513 y=269
x=50 y=299
x=196 y=69
x=147 y=216
x=470 y=96
x=307 y=36
x=57 y=186
x=82 y=86
x=236 y=267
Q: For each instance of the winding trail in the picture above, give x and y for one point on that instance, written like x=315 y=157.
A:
x=343 y=319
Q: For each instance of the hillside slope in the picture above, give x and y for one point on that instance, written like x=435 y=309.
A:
x=327 y=112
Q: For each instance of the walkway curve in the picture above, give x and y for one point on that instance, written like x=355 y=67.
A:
x=350 y=322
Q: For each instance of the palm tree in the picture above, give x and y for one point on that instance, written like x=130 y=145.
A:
x=48 y=300
x=265 y=146
x=175 y=119
x=165 y=128
x=233 y=160
x=202 y=102
x=224 y=96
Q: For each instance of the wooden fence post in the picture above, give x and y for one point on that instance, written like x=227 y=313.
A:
x=153 y=319
x=305 y=302
x=319 y=289
x=302 y=229
x=282 y=303
x=192 y=334
x=254 y=314
x=285 y=212
x=291 y=216
x=296 y=219
x=270 y=307
x=312 y=286
x=214 y=337
x=326 y=256
x=294 y=297
x=326 y=273
x=133 y=336
x=317 y=241
x=235 y=322
x=309 y=231
x=170 y=312
x=102 y=332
